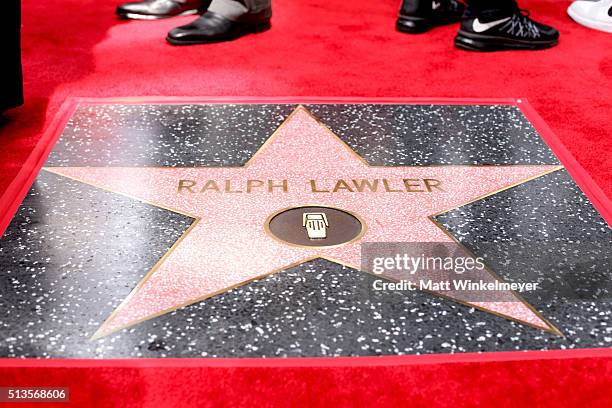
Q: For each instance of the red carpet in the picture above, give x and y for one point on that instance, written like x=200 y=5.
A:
x=550 y=382
x=317 y=48
x=325 y=48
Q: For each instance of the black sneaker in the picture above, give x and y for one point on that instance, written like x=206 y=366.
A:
x=512 y=31
x=418 y=16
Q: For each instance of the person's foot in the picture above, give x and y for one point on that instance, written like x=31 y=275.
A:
x=592 y=14
x=513 y=30
x=156 y=9
x=418 y=16
x=212 y=27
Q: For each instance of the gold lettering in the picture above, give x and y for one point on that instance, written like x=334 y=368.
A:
x=361 y=185
x=228 y=187
x=210 y=185
x=341 y=185
x=388 y=188
x=412 y=185
x=284 y=185
x=186 y=185
x=429 y=183
x=313 y=187
x=253 y=183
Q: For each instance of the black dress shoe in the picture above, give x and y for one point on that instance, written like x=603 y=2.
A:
x=212 y=27
x=156 y=9
x=513 y=30
x=418 y=16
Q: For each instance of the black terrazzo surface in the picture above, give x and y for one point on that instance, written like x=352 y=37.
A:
x=69 y=256
x=418 y=135
x=166 y=135
x=228 y=135
x=73 y=252
x=547 y=231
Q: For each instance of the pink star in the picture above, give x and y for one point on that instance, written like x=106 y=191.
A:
x=227 y=246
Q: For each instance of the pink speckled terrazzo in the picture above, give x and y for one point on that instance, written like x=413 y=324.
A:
x=228 y=246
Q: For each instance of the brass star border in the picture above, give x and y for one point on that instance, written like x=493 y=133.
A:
x=197 y=219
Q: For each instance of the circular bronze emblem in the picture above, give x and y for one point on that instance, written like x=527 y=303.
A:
x=315 y=226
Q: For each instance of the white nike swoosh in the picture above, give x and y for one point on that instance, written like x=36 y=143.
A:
x=480 y=27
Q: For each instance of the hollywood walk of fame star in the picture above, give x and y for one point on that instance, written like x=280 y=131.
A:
x=227 y=245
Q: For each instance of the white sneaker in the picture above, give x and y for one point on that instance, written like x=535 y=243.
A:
x=592 y=14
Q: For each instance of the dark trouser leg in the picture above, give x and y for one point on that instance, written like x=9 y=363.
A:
x=490 y=9
x=11 y=93
x=234 y=9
